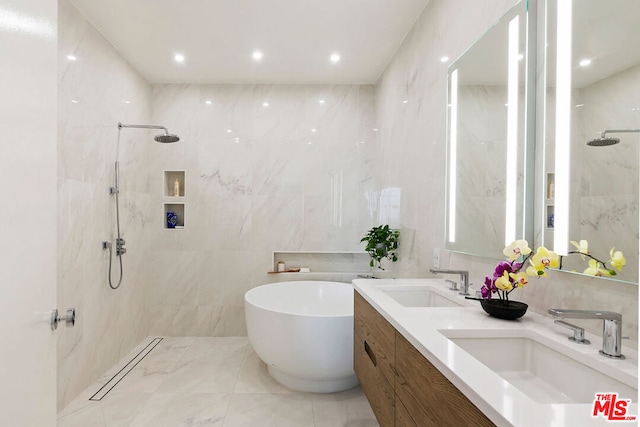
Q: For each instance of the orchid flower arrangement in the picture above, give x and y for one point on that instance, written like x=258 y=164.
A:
x=509 y=275
x=596 y=266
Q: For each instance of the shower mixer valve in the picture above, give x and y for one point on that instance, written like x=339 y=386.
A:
x=120 y=250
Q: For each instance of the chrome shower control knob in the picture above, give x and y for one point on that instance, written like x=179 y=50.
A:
x=69 y=319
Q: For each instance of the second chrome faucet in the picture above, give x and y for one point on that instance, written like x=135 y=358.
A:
x=611 y=332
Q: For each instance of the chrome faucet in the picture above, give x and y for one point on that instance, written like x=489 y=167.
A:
x=611 y=332
x=464 y=279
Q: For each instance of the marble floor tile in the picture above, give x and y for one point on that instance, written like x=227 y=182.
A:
x=254 y=378
x=210 y=381
x=269 y=410
x=121 y=409
x=202 y=376
x=146 y=377
x=188 y=409
x=170 y=348
x=89 y=415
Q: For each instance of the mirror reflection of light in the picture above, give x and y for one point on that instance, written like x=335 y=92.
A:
x=15 y=21
x=585 y=62
x=512 y=131
x=563 y=127
x=453 y=154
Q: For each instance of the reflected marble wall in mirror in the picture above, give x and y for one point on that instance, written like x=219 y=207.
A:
x=486 y=139
x=592 y=84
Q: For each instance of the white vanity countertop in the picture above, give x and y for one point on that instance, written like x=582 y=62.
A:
x=499 y=400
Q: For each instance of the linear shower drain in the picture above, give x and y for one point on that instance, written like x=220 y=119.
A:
x=119 y=376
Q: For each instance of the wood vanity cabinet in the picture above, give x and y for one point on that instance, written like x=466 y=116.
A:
x=374 y=359
x=402 y=386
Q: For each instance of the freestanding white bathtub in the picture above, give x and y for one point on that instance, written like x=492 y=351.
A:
x=303 y=331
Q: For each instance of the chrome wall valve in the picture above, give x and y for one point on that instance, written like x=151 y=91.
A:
x=69 y=319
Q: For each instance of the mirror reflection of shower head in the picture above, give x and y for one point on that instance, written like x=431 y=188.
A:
x=605 y=141
x=163 y=138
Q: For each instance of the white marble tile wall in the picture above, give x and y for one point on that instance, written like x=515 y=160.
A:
x=411 y=156
x=412 y=149
x=606 y=198
x=96 y=91
x=291 y=176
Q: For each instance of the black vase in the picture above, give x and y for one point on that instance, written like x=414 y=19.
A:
x=503 y=309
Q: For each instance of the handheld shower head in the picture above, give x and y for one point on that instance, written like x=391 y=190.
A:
x=603 y=141
x=164 y=138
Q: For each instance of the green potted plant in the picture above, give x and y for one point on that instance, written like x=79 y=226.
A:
x=382 y=242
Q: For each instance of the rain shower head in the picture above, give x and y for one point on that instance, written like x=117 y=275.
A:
x=166 y=137
x=605 y=141
x=163 y=138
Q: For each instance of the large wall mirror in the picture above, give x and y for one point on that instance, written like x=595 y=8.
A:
x=486 y=134
x=589 y=181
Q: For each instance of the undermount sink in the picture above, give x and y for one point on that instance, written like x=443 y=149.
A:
x=548 y=375
x=422 y=296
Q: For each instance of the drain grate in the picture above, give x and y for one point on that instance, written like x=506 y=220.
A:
x=119 y=376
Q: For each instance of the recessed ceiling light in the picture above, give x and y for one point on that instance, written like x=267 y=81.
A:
x=74 y=101
x=313 y=130
x=362 y=142
x=178 y=57
x=207 y=102
x=310 y=143
x=405 y=101
x=265 y=104
x=375 y=129
x=579 y=105
x=229 y=131
x=237 y=140
x=335 y=58
x=585 y=62
x=126 y=101
x=444 y=59
x=71 y=57
x=257 y=55
x=321 y=101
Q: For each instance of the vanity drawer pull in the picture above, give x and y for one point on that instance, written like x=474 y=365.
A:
x=370 y=353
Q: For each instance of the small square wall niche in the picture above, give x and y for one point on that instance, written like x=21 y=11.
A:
x=174 y=184
x=173 y=216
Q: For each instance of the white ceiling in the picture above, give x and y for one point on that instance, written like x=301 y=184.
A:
x=217 y=38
